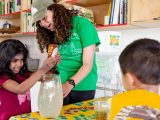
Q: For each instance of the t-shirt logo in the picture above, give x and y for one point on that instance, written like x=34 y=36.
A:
x=23 y=97
x=71 y=48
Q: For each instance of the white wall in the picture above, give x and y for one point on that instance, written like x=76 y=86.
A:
x=128 y=36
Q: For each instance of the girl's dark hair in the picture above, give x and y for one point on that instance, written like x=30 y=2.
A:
x=62 y=19
x=8 y=50
x=142 y=58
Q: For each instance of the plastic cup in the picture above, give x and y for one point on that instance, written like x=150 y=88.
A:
x=101 y=108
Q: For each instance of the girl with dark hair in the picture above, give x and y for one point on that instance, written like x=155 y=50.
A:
x=16 y=80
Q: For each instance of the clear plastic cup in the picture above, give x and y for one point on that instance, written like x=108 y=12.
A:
x=102 y=108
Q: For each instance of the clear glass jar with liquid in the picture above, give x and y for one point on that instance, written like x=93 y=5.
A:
x=50 y=98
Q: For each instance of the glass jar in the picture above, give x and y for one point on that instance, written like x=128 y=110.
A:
x=50 y=99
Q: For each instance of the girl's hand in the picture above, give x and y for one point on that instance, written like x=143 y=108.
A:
x=48 y=64
x=51 y=62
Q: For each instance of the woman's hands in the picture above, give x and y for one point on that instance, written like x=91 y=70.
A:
x=66 y=89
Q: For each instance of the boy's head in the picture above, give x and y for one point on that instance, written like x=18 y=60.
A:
x=140 y=63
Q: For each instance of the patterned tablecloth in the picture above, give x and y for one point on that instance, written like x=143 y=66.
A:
x=77 y=111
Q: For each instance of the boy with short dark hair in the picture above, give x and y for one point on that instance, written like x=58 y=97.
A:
x=140 y=66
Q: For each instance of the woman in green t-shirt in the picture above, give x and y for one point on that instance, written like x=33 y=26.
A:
x=77 y=39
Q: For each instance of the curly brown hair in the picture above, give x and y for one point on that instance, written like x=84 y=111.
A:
x=62 y=19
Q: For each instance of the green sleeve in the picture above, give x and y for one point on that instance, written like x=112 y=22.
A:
x=88 y=33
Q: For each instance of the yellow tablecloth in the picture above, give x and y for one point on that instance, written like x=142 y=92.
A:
x=77 y=111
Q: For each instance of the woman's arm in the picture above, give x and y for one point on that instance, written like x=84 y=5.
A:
x=88 y=57
x=21 y=88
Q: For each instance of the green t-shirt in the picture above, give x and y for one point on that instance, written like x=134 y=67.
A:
x=83 y=35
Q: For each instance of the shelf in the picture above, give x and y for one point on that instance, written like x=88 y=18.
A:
x=11 y=15
x=18 y=34
x=100 y=26
x=29 y=33
x=145 y=16
x=148 y=24
x=7 y=35
x=117 y=27
x=87 y=3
